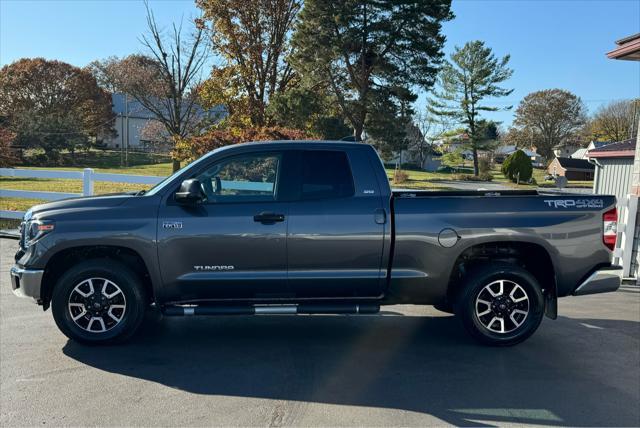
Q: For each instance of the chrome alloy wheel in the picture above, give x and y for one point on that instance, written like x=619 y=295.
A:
x=97 y=305
x=502 y=306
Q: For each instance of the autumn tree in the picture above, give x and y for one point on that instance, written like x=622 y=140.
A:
x=7 y=157
x=550 y=117
x=53 y=105
x=370 y=55
x=214 y=138
x=252 y=38
x=133 y=73
x=471 y=76
x=616 y=121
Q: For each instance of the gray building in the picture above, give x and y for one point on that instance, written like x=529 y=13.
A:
x=132 y=118
x=613 y=176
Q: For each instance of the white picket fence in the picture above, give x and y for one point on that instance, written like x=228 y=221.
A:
x=88 y=177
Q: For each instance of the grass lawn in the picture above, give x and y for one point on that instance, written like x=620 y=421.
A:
x=100 y=161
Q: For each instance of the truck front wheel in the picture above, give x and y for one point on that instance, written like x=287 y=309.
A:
x=98 y=301
x=500 y=304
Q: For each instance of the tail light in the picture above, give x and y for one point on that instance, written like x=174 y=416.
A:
x=610 y=228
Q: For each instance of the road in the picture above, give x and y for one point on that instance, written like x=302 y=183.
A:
x=410 y=366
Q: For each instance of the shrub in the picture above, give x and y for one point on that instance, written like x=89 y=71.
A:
x=484 y=166
x=483 y=176
x=399 y=176
x=517 y=167
x=486 y=176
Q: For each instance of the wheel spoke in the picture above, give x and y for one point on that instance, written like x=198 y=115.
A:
x=488 y=311
x=499 y=321
x=114 y=317
x=500 y=288
x=100 y=321
x=80 y=315
x=513 y=317
x=518 y=299
x=110 y=295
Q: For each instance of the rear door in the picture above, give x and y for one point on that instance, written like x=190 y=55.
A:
x=336 y=228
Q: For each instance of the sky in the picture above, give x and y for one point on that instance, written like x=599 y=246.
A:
x=553 y=44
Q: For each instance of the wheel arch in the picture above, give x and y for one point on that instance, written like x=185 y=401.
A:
x=62 y=260
x=531 y=256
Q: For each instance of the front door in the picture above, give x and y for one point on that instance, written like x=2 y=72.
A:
x=233 y=245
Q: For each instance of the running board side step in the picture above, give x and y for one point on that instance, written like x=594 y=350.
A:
x=305 y=308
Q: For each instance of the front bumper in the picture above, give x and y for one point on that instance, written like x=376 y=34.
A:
x=26 y=282
x=601 y=281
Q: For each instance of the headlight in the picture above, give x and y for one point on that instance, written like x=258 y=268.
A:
x=36 y=229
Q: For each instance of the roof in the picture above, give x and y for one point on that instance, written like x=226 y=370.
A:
x=626 y=148
x=628 y=49
x=598 y=144
x=575 y=164
x=579 y=154
x=507 y=150
x=566 y=144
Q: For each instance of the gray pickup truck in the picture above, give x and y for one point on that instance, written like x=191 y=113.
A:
x=311 y=228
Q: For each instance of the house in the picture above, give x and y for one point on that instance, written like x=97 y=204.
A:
x=132 y=118
x=502 y=152
x=572 y=169
x=565 y=150
x=582 y=152
x=614 y=164
x=431 y=162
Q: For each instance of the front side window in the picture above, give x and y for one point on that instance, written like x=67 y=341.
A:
x=246 y=178
x=326 y=174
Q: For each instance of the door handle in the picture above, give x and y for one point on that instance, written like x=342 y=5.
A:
x=268 y=218
x=380 y=216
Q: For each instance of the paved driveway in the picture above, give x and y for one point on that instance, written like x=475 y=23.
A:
x=410 y=366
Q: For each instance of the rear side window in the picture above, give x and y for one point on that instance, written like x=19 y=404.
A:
x=326 y=174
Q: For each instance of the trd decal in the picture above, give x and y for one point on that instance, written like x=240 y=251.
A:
x=575 y=203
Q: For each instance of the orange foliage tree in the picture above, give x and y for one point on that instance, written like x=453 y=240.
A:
x=193 y=148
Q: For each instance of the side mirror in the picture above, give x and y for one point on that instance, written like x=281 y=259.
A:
x=190 y=192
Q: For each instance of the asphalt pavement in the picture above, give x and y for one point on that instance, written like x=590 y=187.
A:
x=409 y=366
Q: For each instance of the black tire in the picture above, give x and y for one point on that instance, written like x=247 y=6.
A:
x=130 y=317
x=467 y=308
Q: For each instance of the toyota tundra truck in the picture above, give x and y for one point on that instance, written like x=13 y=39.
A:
x=303 y=227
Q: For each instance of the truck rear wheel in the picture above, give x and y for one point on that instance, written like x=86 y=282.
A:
x=99 y=301
x=500 y=304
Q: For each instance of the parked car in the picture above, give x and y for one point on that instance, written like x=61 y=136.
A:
x=311 y=228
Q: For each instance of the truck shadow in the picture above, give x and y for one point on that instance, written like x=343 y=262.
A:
x=566 y=374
